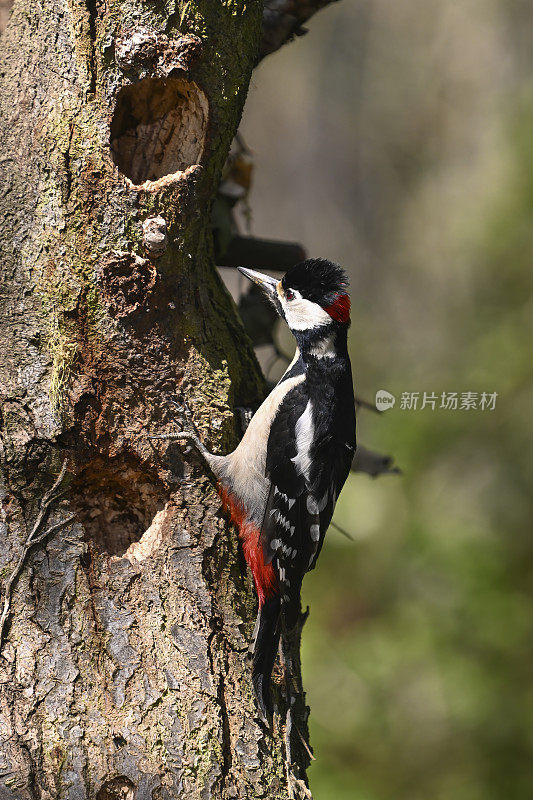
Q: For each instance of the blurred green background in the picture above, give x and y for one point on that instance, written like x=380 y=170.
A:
x=397 y=139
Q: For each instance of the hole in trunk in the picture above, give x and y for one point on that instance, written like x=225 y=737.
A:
x=158 y=128
x=116 y=504
x=119 y=788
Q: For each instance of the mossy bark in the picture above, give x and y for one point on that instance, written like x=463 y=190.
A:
x=123 y=670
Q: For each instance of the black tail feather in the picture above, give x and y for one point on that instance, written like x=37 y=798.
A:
x=292 y=605
x=264 y=653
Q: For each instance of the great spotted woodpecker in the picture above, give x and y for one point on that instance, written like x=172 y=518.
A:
x=281 y=483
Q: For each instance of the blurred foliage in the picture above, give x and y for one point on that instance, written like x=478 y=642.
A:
x=398 y=140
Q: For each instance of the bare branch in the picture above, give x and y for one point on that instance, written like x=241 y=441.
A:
x=373 y=464
x=284 y=19
x=32 y=539
x=360 y=403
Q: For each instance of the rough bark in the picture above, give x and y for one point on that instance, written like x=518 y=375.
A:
x=123 y=665
x=282 y=20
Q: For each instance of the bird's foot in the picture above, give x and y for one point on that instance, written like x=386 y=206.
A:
x=179 y=436
x=186 y=433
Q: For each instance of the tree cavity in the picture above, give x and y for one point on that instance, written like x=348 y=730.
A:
x=158 y=128
x=116 y=502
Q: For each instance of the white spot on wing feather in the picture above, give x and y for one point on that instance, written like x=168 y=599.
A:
x=312 y=505
x=315 y=507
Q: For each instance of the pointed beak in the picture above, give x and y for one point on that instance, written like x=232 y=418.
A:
x=266 y=283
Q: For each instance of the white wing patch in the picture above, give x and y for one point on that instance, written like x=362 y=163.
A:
x=305 y=430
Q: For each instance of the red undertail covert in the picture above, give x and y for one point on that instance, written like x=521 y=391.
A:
x=266 y=583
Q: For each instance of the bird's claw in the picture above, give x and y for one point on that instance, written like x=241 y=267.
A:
x=184 y=435
x=180 y=408
x=187 y=434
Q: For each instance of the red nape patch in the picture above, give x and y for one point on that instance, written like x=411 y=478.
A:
x=266 y=583
x=340 y=309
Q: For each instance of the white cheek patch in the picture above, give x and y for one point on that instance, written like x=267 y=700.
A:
x=302 y=314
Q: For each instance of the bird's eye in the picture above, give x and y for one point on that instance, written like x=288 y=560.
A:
x=289 y=294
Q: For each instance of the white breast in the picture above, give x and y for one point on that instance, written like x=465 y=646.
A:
x=245 y=468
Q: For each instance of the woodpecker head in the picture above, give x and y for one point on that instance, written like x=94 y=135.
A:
x=311 y=295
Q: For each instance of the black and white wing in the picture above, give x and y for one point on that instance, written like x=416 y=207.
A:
x=327 y=482
x=296 y=517
x=290 y=532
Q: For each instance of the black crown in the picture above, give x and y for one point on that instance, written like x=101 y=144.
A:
x=317 y=279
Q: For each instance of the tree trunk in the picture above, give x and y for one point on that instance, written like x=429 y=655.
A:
x=123 y=662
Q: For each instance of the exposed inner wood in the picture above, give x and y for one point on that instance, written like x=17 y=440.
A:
x=116 y=504
x=158 y=128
